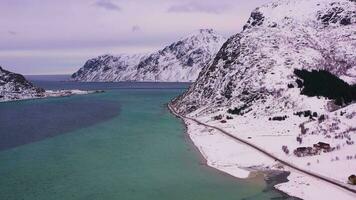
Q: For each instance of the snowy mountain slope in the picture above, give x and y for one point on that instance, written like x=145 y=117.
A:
x=15 y=86
x=183 y=60
x=178 y=62
x=258 y=64
x=108 y=68
x=261 y=86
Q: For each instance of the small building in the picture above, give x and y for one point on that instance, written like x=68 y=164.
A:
x=322 y=146
x=305 y=151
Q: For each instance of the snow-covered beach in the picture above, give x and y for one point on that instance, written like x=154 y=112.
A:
x=239 y=160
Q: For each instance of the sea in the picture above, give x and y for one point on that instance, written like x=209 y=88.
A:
x=122 y=144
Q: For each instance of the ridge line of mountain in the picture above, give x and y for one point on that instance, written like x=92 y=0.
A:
x=180 y=61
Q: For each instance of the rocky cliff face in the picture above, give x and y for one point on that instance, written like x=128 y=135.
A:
x=254 y=72
x=179 y=62
x=15 y=86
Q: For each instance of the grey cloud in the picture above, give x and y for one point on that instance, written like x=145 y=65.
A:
x=12 y=32
x=108 y=5
x=203 y=7
x=136 y=28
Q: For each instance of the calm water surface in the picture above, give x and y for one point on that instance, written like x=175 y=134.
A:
x=122 y=144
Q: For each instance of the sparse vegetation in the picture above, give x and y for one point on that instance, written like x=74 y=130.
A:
x=299 y=140
x=238 y=111
x=285 y=149
x=321 y=118
x=307 y=113
x=218 y=117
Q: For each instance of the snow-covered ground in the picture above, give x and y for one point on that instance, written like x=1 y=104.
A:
x=272 y=135
x=237 y=159
x=256 y=90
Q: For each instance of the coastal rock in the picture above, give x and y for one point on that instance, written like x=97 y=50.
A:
x=352 y=179
x=179 y=62
x=15 y=86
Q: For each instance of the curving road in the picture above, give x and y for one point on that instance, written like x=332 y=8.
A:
x=320 y=177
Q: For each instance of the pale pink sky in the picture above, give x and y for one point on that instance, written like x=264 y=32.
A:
x=57 y=37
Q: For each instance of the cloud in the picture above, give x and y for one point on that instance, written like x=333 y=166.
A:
x=203 y=7
x=136 y=28
x=107 y=5
x=72 y=33
x=12 y=32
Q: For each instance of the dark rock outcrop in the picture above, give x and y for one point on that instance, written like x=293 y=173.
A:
x=15 y=86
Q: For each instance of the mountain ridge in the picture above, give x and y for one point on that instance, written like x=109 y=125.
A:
x=278 y=42
x=180 y=61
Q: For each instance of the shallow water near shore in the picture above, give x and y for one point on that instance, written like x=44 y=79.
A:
x=135 y=150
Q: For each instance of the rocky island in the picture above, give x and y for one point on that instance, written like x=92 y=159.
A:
x=15 y=87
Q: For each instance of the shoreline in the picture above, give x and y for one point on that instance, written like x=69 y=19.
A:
x=271 y=178
x=301 y=183
x=55 y=94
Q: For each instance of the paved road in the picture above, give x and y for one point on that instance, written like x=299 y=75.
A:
x=333 y=182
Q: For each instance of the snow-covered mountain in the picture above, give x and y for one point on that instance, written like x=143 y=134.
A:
x=15 y=86
x=254 y=68
x=179 y=62
x=284 y=84
x=109 y=68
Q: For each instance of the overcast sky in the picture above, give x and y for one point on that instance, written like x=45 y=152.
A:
x=58 y=36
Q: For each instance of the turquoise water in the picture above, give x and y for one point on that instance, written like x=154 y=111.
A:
x=140 y=152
